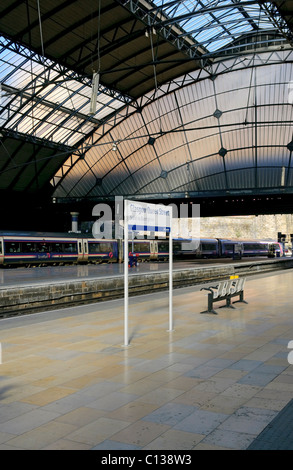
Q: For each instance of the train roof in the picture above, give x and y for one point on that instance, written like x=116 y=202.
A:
x=249 y=240
x=15 y=233
x=194 y=238
x=233 y=240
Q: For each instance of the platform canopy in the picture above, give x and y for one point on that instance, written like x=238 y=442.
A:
x=194 y=98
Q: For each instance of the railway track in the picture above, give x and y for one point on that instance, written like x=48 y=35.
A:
x=43 y=296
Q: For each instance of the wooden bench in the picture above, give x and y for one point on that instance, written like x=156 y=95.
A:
x=225 y=290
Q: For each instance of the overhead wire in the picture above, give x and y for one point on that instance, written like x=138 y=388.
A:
x=155 y=79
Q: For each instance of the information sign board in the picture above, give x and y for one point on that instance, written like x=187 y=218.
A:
x=145 y=217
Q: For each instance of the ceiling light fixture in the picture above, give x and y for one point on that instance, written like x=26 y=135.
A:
x=96 y=75
x=95 y=86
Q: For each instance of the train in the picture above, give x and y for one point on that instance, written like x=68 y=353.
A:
x=40 y=249
x=225 y=248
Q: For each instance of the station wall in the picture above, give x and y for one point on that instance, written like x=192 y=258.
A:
x=252 y=227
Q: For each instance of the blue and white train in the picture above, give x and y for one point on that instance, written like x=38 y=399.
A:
x=38 y=248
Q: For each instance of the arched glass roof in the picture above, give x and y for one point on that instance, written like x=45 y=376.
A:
x=225 y=134
x=46 y=100
x=195 y=95
x=215 y=24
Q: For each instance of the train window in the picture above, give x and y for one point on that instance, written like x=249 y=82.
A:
x=0 y=247
x=208 y=246
x=56 y=247
x=12 y=247
x=176 y=246
x=141 y=247
x=70 y=247
x=27 y=247
x=105 y=247
x=252 y=246
x=248 y=246
x=163 y=246
x=42 y=247
x=97 y=247
x=93 y=247
x=228 y=246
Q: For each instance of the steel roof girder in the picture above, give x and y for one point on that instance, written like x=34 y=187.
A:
x=168 y=32
x=277 y=19
x=63 y=71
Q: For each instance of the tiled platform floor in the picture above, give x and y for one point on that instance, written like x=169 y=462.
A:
x=215 y=382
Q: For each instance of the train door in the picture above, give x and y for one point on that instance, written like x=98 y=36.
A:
x=1 y=251
x=238 y=250
x=154 y=249
x=79 y=250
x=85 y=249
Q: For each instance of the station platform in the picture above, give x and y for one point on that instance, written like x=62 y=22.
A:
x=216 y=382
x=51 y=287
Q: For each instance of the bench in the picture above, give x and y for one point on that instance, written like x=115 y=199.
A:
x=225 y=290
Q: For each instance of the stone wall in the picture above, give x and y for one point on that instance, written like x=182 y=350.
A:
x=22 y=300
x=252 y=227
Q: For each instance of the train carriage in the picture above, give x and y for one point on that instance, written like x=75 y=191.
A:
x=162 y=250
x=230 y=248
x=255 y=248
x=275 y=249
x=1 y=251
x=208 y=248
x=142 y=249
x=196 y=248
x=102 y=250
x=38 y=248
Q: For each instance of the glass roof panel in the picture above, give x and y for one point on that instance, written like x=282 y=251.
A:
x=36 y=90
x=216 y=23
x=186 y=156
x=37 y=96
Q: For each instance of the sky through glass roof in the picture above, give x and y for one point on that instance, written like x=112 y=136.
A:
x=44 y=100
x=39 y=99
x=48 y=102
x=216 y=23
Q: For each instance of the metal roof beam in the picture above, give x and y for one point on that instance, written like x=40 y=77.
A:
x=48 y=104
x=82 y=21
x=66 y=149
x=170 y=31
x=45 y=16
x=206 y=9
x=65 y=74
x=280 y=23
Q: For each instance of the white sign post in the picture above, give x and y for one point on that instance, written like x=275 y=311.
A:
x=126 y=340
x=144 y=217
x=170 y=281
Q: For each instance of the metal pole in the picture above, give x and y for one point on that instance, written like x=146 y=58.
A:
x=126 y=341
x=170 y=280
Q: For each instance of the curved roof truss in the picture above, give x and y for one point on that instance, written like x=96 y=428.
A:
x=224 y=132
x=151 y=57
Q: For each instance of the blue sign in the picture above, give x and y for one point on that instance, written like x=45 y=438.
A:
x=148 y=217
